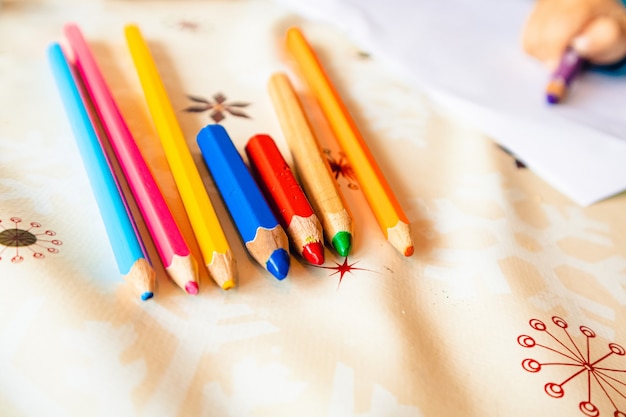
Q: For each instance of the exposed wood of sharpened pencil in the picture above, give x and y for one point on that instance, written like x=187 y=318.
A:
x=378 y=193
x=314 y=172
x=286 y=198
x=165 y=233
x=206 y=227
x=121 y=230
x=261 y=232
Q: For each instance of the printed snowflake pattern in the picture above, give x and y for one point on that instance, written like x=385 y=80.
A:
x=36 y=157
x=17 y=237
x=254 y=386
x=187 y=25
x=383 y=402
x=497 y=228
x=340 y=167
x=601 y=378
x=190 y=24
x=218 y=108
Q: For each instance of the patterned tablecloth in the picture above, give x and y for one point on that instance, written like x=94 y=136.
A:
x=513 y=303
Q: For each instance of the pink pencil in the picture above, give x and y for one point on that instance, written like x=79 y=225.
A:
x=169 y=241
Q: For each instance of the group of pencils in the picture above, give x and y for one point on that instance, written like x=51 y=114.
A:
x=267 y=204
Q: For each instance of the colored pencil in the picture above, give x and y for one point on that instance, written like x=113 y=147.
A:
x=286 y=198
x=263 y=236
x=128 y=250
x=313 y=169
x=569 y=66
x=207 y=229
x=168 y=239
x=378 y=193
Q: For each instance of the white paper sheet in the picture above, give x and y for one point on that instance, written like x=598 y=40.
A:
x=468 y=53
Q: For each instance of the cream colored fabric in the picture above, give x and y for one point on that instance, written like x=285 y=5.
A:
x=454 y=330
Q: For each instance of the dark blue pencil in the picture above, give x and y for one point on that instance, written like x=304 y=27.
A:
x=265 y=239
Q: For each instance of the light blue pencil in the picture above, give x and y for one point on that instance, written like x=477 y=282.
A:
x=263 y=236
x=129 y=252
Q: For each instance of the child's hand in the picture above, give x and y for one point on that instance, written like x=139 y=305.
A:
x=596 y=29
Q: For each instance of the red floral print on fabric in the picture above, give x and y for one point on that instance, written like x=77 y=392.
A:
x=586 y=359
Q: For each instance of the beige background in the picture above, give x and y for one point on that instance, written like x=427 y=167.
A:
x=431 y=335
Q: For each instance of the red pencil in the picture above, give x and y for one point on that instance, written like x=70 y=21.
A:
x=286 y=197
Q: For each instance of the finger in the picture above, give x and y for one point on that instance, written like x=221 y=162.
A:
x=549 y=32
x=603 y=41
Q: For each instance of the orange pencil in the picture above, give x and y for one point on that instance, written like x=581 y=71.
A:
x=380 y=197
x=286 y=197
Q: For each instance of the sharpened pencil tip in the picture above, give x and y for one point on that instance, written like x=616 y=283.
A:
x=192 y=288
x=555 y=91
x=147 y=295
x=552 y=99
x=409 y=251
x=278 y=263
x=228 y=284
x=342 y=242
x=314 y=253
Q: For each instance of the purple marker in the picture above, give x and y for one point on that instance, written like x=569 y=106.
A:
x=569 y=66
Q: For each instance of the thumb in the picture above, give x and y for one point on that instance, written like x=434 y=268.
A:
x=603 y=41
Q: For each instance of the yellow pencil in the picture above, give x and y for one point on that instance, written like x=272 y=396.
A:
x=204 y=222
x=312 y=167
x=383 y=202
